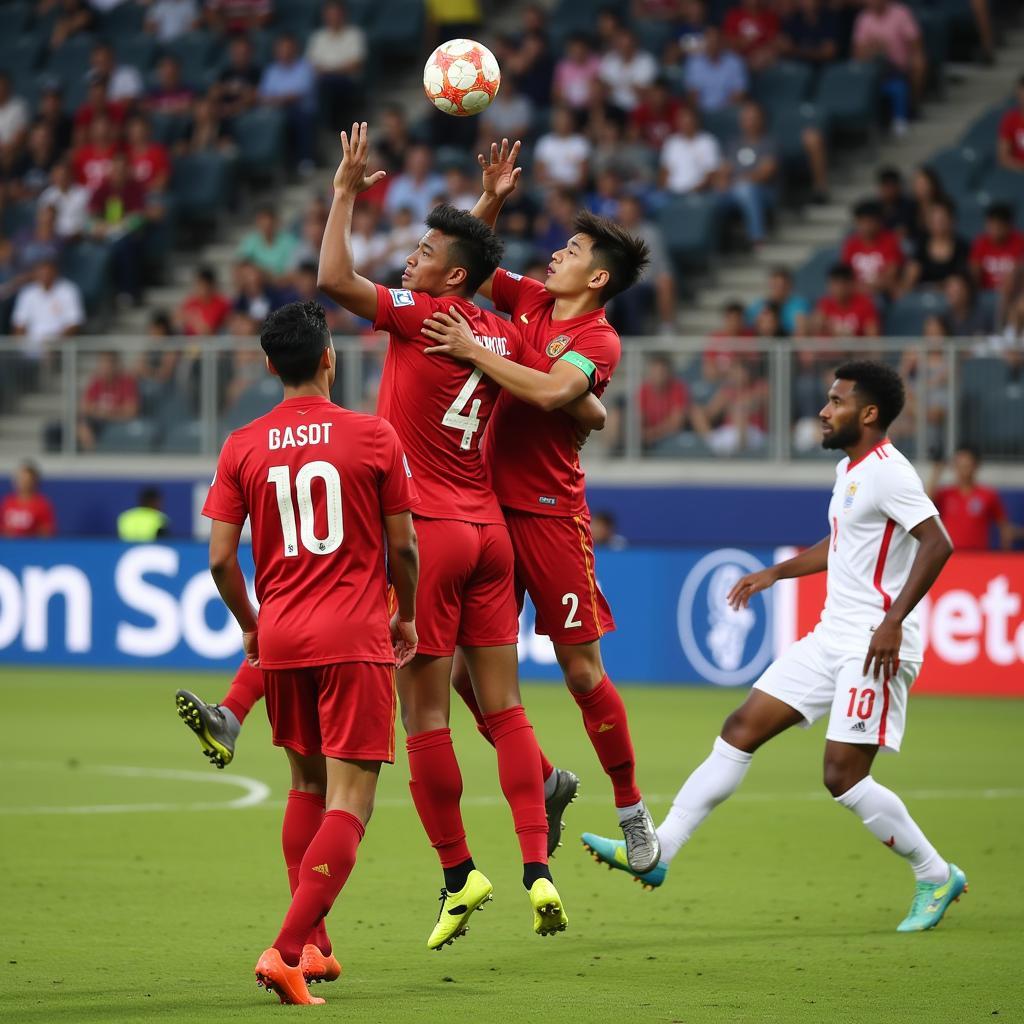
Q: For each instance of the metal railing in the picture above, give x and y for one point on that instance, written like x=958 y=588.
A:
x=736 y=398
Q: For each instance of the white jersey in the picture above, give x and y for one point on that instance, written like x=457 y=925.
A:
x=876 y=502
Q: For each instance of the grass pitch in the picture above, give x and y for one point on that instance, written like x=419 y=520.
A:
x=134 y=892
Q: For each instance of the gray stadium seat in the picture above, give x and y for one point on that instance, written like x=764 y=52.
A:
x=959 y=167
x=200 y=184
x=260 y=136
x=397 y=28
x=848 y=97
x=182 y=438
x=785 y=84
x=981 y=135
x=810 y=280
x=130 y=436
x=689 y=225
x=905 y=317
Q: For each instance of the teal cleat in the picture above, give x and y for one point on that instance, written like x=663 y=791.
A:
x=931 y=901
x=613 y=853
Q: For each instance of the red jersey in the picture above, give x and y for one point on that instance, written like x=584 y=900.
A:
x=440 y=407
x=658 y=404
x=113 y=393
x=532 y=454
x=969 y=518
x=995 y=261
x=148 y=163
x=92 y=164
x=868 y=260
x=1011 y=128
x=316 y=482
x=750 y=29
x=849 y=320
x=27 y=517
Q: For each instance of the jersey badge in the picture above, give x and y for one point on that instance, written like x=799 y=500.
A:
x=515 y=277
x=401 y=296
x=556 y=346
x=851 y=493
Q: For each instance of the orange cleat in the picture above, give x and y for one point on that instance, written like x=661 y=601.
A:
x=316 y=967
x=273 y=974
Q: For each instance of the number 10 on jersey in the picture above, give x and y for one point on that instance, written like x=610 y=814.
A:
x=280 y=477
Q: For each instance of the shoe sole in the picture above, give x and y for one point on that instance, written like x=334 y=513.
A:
x=463 y=925
x=955 y=899
x=548 y=910
x=268 y=983
x=555 y=834
x=217 y=754
x=598 y=859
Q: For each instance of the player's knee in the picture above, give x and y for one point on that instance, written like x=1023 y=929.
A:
x=582 y=669
x=840 y=776
x=739 y=731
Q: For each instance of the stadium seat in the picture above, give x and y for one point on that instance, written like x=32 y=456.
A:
x=970 y=214
x=14 y=18
x=1004 y=186
x=784 y=84
x=724 y=124
x=69 y=62
x=299 y=17
x=130 y=436
x=169 y=129
x=88 y=265
x=126 y=19
x=397 y=28
x=254 y=402
x=689 y=225
x=195 y=52
x=200 y=184
x=138 y=50
x=848 y=98
x=183 y=438
x=982 y=377
x=959 y=168
x=981 y=135
x=260 y=136
x=20 y=56
x=810 y=280
x=906 y=316
x=16 y=217
x=993 y=422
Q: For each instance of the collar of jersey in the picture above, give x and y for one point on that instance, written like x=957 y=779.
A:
x=300 y=400
x=871 y=451
x=578 y=321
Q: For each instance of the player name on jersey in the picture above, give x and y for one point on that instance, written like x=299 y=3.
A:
x=304 y=434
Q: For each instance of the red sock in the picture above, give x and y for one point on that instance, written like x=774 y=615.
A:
x=324 y=870
x=469 y=698
x=303 y=816
x=604 y=716
x=518 y=756
x=246 y=688
x=436 y=786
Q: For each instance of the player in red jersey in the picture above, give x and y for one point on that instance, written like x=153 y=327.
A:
x=26 y=512
x=467 y=597
x=322 y=488
x=535 y=467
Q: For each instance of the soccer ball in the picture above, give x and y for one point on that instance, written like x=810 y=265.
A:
x=461 y=77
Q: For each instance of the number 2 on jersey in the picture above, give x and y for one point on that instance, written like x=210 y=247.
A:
x=280 y=477
x=454 y=418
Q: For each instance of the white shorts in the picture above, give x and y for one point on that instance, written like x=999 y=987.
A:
x=814 y=679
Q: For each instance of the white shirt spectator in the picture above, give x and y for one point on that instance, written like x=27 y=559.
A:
x=562 y=157
x=626 y=77
x=688 y=161
x=508 y=115
x=336 y=52
x=125 y=84
x=368 y=251
x=47 y=313
x=13 y=119
x=168 y=19
x=72 y=206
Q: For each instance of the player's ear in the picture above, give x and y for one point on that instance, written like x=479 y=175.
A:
x=598 y=279
x=457 y=277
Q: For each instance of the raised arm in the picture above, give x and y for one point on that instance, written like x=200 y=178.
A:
x=227 y=575
x=807 y=563
x=500 y=177
x=337 y=276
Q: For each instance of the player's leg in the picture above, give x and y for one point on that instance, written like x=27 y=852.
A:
x=873 y=714
x=217 y=725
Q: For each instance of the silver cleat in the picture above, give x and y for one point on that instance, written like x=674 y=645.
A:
x=643 y=851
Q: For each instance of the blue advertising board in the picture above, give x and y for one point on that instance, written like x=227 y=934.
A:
x=101 y=603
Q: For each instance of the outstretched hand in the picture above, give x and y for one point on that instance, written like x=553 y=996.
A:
x=453 y=335
x=350 y=177
x=751 y=584
x=500 y=174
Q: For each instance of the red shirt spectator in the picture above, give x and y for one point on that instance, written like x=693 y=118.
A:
x=999 y=250
x=1011 y=132
x=654 y=119
x=240 y=15
x=110 y=394
x=750 y=27
x=856 y=317
x=663 y=399
x=25 y=512
x=151 y=166
x=112 y=202
x=870 y=259
x=114 y=111
x=970 y=515
x=205 y=309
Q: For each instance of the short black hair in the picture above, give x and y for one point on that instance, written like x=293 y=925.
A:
x=162 y=319
x=877 y=384
x=889 y=176
x=781 y=271
x=1002 y=212
x=969 y=449
x=28 y=466
x=294 y=338
x=734 y=306
x=474 y=246
x=840 y=272
x=150 y=495
x=614 y=249
x=207 y=273
x=868 y=208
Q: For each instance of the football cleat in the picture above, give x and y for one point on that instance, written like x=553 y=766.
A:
x=273 y=974
x=612 y=852
x=456 y=908
x=931 y=901
x=548 y=914
x=316 y=967
x=216 y=735
x=643 y=850
x=555 y=805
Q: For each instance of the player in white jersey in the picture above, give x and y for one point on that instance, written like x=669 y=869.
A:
x=886 y=547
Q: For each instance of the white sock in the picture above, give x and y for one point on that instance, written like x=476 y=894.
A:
x=628 y=811
x=888 y=819
x=551 y=784
x=709 y=784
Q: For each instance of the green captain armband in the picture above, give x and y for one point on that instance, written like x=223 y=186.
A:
x=582 y=363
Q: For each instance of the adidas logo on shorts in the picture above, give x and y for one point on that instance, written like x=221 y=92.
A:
x=858 y=727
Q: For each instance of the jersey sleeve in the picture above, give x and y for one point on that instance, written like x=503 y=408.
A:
x=902 y=497
x=226 y=500
x=596 y=355
x=510 y=291
x=401 y=312
x=397 y=491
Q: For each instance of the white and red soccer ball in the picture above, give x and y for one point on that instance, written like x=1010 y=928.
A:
x=461 y=77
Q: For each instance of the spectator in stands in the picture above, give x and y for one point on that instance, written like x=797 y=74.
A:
x=123 y=83
x=26 y=511
x=32 y=171
x=205 y=309
x=612 y=151
x=508 y=116
x=253 y=297
x=970 y=510
x=898 y=209
x=605 y=531
x=606 y=196
x=42 y=242
x=289 y=84
x=940 y=252
x=964 y=317
x=1010 y=142
x=554 y=224
x=751 y=29
x=998 y=251
x=207 y=133
x=69 y=200
x=269 y=246
x=626 y=70
x=529 y=58
x=337 y=51
x=406 y=231
x=560 y=156
x=715 y=77
x=576 y=74
x=927 y=190
x=630 y=311
x=872 y=253
x=146 y=522
x=663 y=400
x=928 y=383
x=690 y=157
x=417 y=186
x=111 y=396
x=369 y=245
x=459 y=188
x=47 y=308
x=74 y=17
x=238 y=16
x=50 y=112
x=746 y=178
x=149 y=161
x=14 y=120
x=769 y=322
x=888 y=32
x=236 y=87
x=169 y=19
x=844 y=312
x=99 y=104
x=393 y=141
x=733 y=323
x=793 y=309
x=248 y=367
x=169 y=95
x=12 y=277
x=119 y=216
x=654 y=118
x=734 y=419
x=811 y=34
x=156 y=366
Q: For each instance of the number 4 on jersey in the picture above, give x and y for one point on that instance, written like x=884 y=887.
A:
x=454 y=418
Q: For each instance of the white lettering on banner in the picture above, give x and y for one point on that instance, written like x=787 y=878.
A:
x=163 y=636
x=10 y=607
x=998 y=605
x=199 y=592
x=39 y=586
x=955 y=625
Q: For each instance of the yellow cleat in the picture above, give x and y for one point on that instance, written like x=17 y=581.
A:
x=548 y=915
x=456 y=908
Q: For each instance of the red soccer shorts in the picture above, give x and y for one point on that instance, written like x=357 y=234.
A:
x=555 y=566
x=345 y=710
x=466 y=594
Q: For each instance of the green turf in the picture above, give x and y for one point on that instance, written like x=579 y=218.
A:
x=782 y=909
